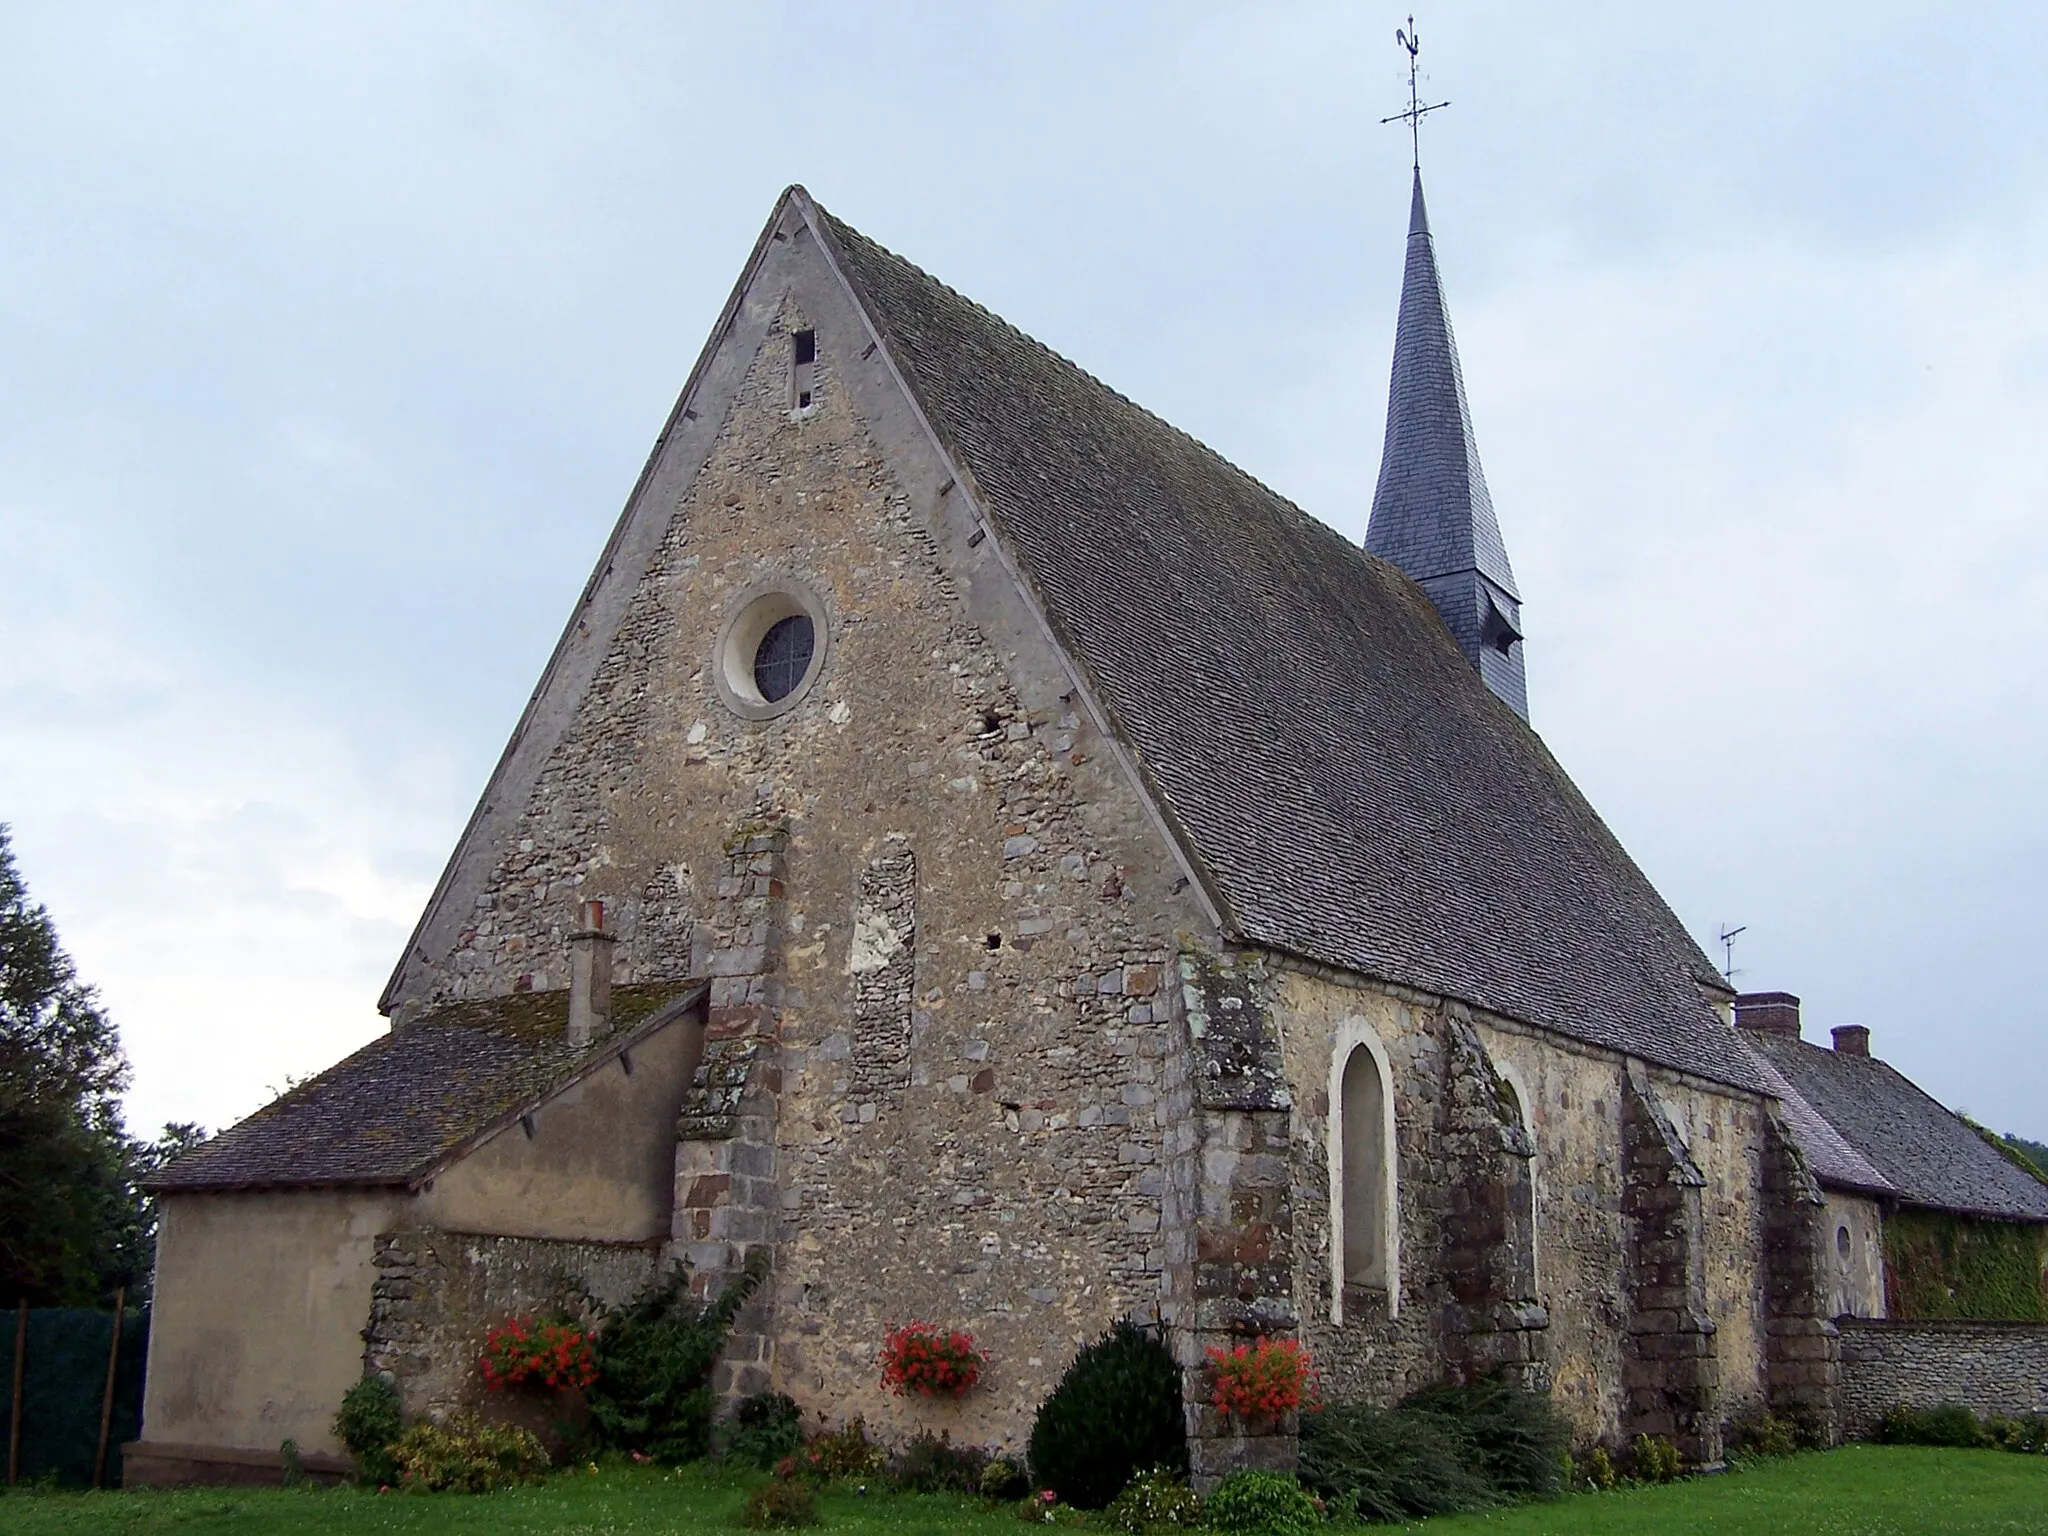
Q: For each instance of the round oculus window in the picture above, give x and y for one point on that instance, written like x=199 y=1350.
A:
x=784 y=656
x=772 y=650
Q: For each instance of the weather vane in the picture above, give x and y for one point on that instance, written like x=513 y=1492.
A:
x=1416 y=110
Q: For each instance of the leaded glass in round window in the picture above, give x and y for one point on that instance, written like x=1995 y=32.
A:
x=783 y=656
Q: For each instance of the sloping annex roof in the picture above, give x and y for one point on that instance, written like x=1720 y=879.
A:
x=397 y=1110
x=1350 y=790
x=1926 y=1154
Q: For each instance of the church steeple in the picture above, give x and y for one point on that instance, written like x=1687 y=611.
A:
x=1431 y=514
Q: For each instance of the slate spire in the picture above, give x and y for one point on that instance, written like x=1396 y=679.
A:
x=1431 y=514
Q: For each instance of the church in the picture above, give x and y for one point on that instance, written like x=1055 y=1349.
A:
x=980 y=848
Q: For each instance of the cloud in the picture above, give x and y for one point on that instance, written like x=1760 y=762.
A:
x=336 y=338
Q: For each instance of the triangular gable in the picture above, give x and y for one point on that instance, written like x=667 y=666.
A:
x=1332 y=775
x=790 y=238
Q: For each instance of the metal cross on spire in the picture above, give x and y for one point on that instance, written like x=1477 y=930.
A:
x=1416 y=110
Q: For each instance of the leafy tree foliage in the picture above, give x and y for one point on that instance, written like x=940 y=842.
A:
x=74 y=1222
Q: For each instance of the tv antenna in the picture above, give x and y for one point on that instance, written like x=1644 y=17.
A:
x=1728 y=937
x=1410 y=40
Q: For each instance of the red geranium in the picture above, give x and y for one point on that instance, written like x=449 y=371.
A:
x=1263 y=1380
x=537 y=1352
x=923 y=1358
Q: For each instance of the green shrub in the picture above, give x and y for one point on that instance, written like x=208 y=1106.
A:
x=1389 y=1464
x=1261 y=1504
x=843 y=1455
x=1597 y=1470
x=1044 y=1508
x=763 y=1429
x=1002 y=1480
x=368 y=1425
x=1117 y=1409
x=1949 y=1424
x=1155 y=1500
x=1654 y=1459
x=934 y=1464
x=1513 y=1438
x=467 y=1455
x=1441 y=1450
x=786 y=1504
x=2028 y=1434
x=655 y=1355
x=1765 y=1434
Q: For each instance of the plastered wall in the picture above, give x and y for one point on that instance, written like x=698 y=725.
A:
x=256 y=1330
x=597 y=1164
x=1854 y=1247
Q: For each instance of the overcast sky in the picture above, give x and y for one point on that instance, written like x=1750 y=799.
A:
x=332 y=338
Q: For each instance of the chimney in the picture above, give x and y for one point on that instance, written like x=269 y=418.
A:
x=590 y=975
x=1768 y=1013
x=1852 y=1039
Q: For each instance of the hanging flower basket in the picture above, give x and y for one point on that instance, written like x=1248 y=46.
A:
x=543 y=1354
x=1262 y=1382
x=931 y=1361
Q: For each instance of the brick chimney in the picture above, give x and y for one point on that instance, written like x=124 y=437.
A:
x=1768 y=1013
x=590 y=975
x=1852 y=1039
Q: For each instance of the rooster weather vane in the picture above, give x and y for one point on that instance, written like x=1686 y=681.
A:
x=1410 y=40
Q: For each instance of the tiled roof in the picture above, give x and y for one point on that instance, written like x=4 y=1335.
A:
x=1351 y=789
x=1927 y=1155
x=1828 y=1154
x=390 y=1113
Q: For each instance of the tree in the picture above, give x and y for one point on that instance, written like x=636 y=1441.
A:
x=73 y=1222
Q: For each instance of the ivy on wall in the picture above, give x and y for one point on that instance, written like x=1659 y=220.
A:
x=1939 y=1265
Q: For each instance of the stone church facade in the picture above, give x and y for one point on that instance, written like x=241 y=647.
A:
x=1045 y=877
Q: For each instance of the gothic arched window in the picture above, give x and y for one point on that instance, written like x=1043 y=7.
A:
x=1522 y=1185
x=1364 y=1240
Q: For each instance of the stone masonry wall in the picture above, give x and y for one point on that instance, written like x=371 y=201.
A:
x=1464 y=1300
x=1987 y=1367
x=934 y=1054
x=436 y=1294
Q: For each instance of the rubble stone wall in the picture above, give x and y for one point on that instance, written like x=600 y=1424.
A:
x=970 y=1131
x=1999 y=1368
x=437 y=1294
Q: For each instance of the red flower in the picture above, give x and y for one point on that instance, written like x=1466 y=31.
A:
x=919 y=1358
x=1263 y=1380
x=541 y=1352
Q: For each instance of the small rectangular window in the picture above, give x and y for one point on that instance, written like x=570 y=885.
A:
x=803 y=355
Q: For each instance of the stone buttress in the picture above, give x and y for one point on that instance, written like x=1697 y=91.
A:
x=1670 y=1375
x=727 y=1200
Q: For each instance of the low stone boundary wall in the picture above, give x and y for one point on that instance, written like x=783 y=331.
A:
x=438 y=1293
x=1987 y=1367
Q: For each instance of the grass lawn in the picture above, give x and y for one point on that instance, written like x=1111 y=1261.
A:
x=1857 y=1491
x=1860 y=1490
